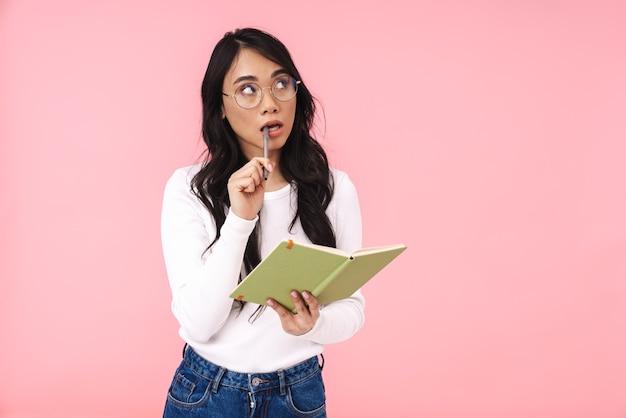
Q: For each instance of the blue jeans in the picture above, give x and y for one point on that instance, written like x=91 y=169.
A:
x=203 y=389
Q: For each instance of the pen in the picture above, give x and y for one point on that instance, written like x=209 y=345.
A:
x=266 y=141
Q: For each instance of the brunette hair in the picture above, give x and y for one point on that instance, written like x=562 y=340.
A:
x=303 y=162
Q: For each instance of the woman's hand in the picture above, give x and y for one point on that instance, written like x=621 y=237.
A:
x=307 y=313
x=246 y=188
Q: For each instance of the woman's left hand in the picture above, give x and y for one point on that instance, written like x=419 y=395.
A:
x=307 y=313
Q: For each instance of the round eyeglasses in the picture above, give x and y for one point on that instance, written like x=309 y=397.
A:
x=250 y=95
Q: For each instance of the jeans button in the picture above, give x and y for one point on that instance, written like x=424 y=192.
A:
x=256 y=381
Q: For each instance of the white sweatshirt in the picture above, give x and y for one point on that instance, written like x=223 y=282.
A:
x=210 y=321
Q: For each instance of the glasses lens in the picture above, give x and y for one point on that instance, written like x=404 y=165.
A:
x=248 y=95
x=284 y=88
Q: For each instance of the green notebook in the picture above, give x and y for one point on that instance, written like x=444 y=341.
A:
x=327 y=273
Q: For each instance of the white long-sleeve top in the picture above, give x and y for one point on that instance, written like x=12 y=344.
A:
x=201 y=281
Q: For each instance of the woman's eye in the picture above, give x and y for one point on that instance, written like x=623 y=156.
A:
x=248 y=89
x=281 y=83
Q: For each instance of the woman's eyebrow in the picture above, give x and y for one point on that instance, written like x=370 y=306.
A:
x=245 y=78
x=254 y=78
x=279 y=72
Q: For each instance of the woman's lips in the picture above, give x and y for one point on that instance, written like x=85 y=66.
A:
x=275 y=129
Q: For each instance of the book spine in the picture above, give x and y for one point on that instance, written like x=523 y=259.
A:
x=330 y=278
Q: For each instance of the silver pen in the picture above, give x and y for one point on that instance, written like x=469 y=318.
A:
x=266 y=144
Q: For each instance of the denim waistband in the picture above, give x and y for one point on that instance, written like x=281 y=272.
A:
x=253 y=382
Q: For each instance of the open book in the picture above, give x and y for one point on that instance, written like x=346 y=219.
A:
x=327 y=273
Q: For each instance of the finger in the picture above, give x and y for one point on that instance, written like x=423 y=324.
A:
x=298 y=301
x=313 y=304
x=294 y=324
x=253 y=170
x=311 y=301
x=245 y=184
x=256 y=177
x=263 y=163
x=268 y=165
x=280 y=309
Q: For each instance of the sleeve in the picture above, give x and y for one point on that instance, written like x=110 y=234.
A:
x=340 y=320
x=200 y=280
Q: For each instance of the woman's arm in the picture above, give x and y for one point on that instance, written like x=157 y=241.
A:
x=200 y=281
x=340 y=320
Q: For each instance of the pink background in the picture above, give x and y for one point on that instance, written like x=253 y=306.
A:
x=488 y=136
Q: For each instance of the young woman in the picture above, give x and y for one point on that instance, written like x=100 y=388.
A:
x=221 y=217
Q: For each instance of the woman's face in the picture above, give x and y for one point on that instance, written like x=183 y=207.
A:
x=251 y=67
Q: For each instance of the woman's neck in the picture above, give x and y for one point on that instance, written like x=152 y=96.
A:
x=275 y=181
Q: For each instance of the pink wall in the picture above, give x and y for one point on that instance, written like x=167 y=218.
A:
x=488 y=137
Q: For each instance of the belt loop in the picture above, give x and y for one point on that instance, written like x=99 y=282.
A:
x=322 y=362
x=185 y=349
x=283 y=382
x=217 y=379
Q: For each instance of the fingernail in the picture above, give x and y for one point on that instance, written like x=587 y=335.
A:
x=294 y=294
x=270 y=167
x=306 y=295
x=270 y=302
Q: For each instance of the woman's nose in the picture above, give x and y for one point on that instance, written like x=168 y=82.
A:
x=269 y=104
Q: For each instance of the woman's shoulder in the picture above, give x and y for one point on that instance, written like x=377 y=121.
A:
x=184 y=175
x=340 y=178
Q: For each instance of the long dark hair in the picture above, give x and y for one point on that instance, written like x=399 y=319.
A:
x=303 y=161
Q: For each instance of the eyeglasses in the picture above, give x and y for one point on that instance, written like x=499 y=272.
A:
x=250 y=95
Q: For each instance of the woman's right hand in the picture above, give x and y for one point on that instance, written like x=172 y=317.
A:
x=246 y=188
